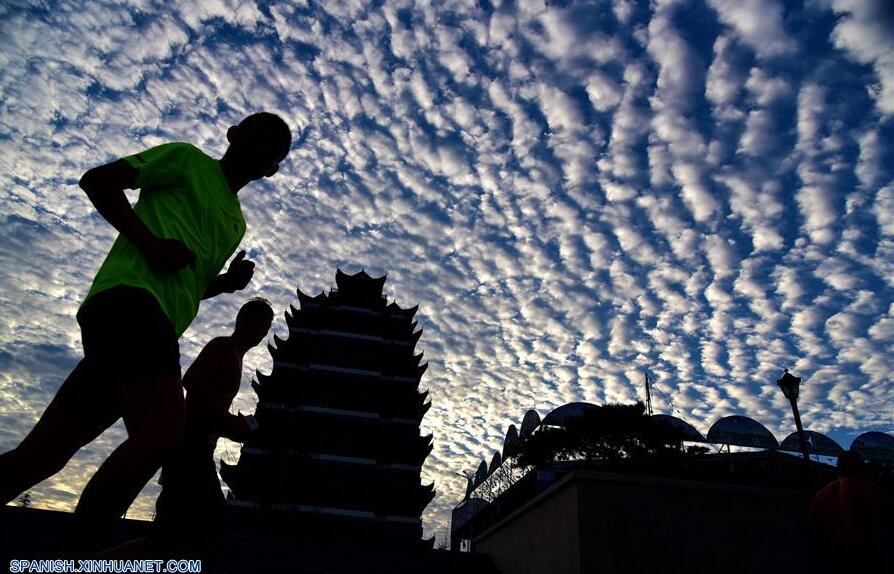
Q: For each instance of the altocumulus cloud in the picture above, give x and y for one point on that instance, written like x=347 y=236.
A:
x=573 y=192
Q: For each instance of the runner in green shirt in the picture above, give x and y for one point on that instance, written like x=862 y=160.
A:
x=172 y=246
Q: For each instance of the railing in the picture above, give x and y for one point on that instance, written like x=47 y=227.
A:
x=498 y=481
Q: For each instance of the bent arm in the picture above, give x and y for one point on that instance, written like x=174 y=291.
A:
x=221 y=421
x=225 y=424
x=104 y=186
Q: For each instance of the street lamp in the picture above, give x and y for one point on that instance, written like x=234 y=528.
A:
x=789 y=385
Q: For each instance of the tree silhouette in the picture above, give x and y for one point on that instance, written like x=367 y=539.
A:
x=610 y=432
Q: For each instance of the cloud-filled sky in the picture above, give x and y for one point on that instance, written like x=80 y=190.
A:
x=573 y=193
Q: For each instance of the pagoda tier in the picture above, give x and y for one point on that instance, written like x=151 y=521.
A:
x=333 y=481
x=317 y=349
x=348 y=319
x=315 y=429
x=339 y=417
x=333 y=389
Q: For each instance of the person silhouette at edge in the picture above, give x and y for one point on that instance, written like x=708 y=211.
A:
x=846 y=514
x=167 y=257
x=189 y=509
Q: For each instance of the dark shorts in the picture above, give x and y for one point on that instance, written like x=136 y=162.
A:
x=126 y=334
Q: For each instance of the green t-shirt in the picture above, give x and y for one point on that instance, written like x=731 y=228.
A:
x=183 y=195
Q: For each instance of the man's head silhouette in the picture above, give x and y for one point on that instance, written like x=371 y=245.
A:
x=253 y=321
x=257 y=145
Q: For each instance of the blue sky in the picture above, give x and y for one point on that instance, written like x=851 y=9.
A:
x=572 y=192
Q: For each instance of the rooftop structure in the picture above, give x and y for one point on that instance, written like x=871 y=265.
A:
x=547 y=515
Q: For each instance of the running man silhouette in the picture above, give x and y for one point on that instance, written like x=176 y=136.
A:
x=190 y=505
x=170 y=250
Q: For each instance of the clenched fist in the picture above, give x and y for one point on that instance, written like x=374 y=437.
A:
x=239 y=272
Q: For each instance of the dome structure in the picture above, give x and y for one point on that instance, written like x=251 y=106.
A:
x=480 y=474
x=679 y=427
x=529 y=423
x=816 y=444
x=875 y=446
x=737 y=430
x=510 y=443
x=560 y=416
x=495 y=463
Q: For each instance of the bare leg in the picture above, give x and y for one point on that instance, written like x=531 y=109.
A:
x=75 y=416
x=153 y=414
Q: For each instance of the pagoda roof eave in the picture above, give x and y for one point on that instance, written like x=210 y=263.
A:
x=304 y=298
x=330 y=369
x=326 y=458
x=398 y=310
x=337 y=413
x=361 y=280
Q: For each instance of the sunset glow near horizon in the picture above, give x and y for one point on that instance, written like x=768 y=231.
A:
x=574 y=193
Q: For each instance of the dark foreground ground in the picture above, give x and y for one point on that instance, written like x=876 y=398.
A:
x=32 y=534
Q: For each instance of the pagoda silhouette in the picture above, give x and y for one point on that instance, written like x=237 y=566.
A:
x=338 y=452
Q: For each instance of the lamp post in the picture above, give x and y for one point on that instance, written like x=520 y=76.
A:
x=790 y=385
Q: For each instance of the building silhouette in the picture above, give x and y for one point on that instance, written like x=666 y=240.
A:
x=684 y=509
x=338 y=449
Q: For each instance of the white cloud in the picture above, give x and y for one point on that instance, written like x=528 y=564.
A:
x=817 y=197
x=864 y=31
x=884 y=209
x=758 y=23
x=695 y=194
x=760 y=210
x=870 y=168
x=721 y=255
x=759 y=138
x=604 y=92
x=767 y=89
x=725 y=77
